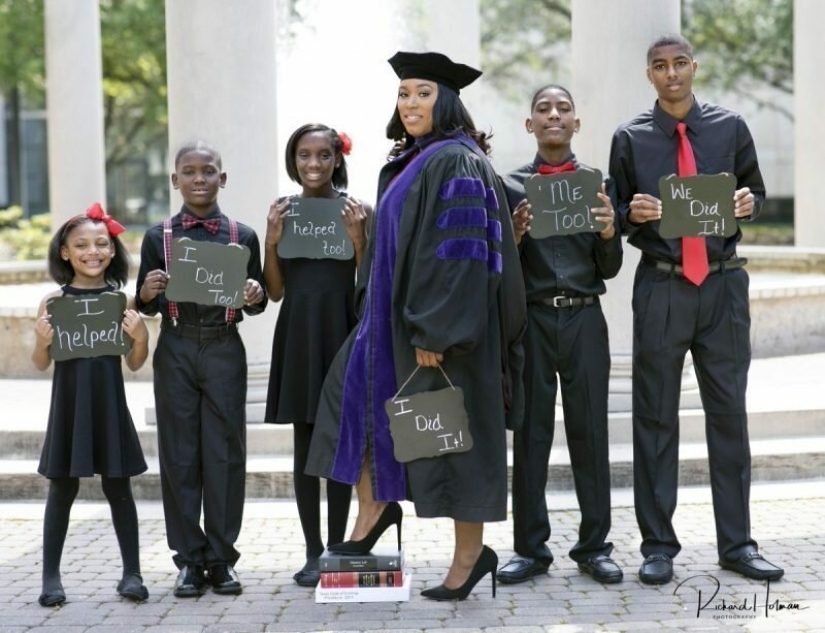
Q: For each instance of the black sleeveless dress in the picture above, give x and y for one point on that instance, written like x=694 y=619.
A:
x=315 y=318
x=90 y=429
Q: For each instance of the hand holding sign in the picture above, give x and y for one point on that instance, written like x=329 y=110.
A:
x=314 y=228
x=86 y=326
x=697 y=206
x=207 y=273
x=561 y=203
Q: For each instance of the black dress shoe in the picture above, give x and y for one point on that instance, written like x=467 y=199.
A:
x=656 y=570
x=520 y=569
x=132 y=587
x=190 y=582
x=602 y=568
x=752 y=565
x=224 y=580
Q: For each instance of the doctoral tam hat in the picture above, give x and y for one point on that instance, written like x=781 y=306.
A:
x=433 y=67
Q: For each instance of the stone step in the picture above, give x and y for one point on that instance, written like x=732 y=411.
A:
x=273 y=440
x=271 y=477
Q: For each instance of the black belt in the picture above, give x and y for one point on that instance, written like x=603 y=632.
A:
x=713 y=267
x=201 y=333
x=567 y=302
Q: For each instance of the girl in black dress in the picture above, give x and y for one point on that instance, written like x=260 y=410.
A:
x=315 y=317
x=90 y=429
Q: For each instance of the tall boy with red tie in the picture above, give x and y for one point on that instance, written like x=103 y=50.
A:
x=200 y=384
x=689 y=294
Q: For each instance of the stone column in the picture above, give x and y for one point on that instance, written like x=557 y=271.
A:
x=221 y=81
x=610 y=41
x=809 y=127
x=74 y=90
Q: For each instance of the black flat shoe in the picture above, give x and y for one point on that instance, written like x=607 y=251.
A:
x=602 y=569
x=657 y=569
x=132 y=587
x=190 y=582
x=309 y=576
x=224 y=580
x=521 y=569
x=392 y=514
x=752 y=565
x=53 y=595
x=486 y=564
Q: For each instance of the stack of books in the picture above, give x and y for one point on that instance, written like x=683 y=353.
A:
x=375 y=577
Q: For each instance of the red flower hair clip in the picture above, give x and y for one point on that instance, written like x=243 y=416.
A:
x=96 y=212
x=346 y=143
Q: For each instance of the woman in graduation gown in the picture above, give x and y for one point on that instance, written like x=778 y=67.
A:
x=440 y=286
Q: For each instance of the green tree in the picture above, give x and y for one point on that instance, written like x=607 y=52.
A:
x=743 y=47
x=522 y=39
x=22 y=74
x=133 y=51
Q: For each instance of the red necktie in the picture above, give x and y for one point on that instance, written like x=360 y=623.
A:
x=694 y=251
x=556 y=169
x=190 y=222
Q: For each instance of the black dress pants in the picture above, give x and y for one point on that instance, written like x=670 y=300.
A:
x=567 y=346
x=670 y=317
x=200 y=398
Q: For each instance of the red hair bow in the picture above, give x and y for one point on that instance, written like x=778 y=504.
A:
x=96 y=212
x=346 y=143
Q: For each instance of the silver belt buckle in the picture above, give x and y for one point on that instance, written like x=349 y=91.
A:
x=557 y=301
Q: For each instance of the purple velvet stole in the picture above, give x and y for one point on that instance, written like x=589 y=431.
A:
x=370 y=379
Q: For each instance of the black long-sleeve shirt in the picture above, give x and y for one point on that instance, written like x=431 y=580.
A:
x=645 y=149
x=151 y=258
x=573 y=265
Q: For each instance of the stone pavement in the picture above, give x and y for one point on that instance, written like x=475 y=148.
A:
x=787 y=520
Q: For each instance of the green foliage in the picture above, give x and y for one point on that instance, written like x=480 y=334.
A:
x=520 y=43
x=133 y=48
x=22 y=50
x=743 y=46
x=10 y=218
x=30 y=238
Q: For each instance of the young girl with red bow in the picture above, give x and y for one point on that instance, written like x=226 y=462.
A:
x=90 y=429
x=315 y=318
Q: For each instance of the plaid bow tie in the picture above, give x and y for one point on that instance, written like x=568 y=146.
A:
x=190 y=222
x=556 y=169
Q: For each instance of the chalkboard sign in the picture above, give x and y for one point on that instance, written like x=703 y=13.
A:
x=694 y=206
x=561 y=203
x=88 y=325
x=428 y=424
x=207 y=273
x=314 y=228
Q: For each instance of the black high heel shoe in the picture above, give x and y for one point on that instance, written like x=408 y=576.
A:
x=391 y=515
x=486 y=564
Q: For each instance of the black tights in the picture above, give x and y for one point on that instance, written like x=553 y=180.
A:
x=62 y=493
x=308 y=498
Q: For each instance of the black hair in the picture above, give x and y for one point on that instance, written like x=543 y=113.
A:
x=551 y=87
x=340 y=180
x=116 y=274
x=198 y=146
x=450 y=117
x=670 y=39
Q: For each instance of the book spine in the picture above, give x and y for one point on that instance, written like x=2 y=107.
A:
x=346 y=579
x=393 y=562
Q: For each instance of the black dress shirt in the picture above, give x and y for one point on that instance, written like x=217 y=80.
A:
x=151 y=258
x=571 y=265
x=645 y=149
